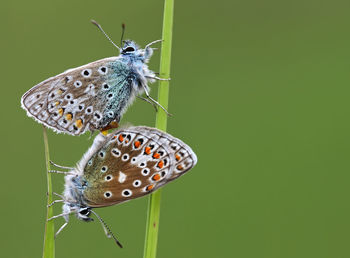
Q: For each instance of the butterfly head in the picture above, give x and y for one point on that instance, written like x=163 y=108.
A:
x=81 y=212
x=130 y=48
x=84 y=214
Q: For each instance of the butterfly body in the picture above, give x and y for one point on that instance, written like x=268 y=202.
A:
x=90 y=97
x=122 y=166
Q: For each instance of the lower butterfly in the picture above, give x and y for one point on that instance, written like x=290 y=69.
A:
x=119 y=167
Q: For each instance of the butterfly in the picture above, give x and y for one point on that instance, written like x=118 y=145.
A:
x=119 y=167
x=93 y=96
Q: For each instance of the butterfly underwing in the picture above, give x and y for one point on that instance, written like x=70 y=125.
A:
x=122 y=166
x=92 y=96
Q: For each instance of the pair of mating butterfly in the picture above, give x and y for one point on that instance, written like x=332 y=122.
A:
x=123 y=165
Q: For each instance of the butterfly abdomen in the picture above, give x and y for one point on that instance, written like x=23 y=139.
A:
x=126 y=81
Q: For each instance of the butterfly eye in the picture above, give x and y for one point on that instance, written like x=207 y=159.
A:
x=84 y=211
x=128 y=49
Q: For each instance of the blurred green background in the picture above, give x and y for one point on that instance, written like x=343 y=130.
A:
x=259 y=89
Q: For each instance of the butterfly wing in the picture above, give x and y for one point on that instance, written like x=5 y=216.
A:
x=134 y=162
x=84 y=98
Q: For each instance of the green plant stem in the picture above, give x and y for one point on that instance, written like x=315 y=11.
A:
x=49 y=237
x=153 y=213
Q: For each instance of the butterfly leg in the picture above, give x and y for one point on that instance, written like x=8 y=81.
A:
x=153 y=42
x=60 y=172
x=60 y=229
x=61 y=196
x=154 y=101
x=58 y=166
x=112 y=125
x=55 y=201
x=154 y=105
x=59 y=215
x=158 y=78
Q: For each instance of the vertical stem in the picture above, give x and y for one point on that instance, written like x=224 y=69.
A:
x=49 y=237
x=151 y=240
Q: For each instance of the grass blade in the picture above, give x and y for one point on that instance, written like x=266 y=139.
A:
x=153 y=213
x=49 y=237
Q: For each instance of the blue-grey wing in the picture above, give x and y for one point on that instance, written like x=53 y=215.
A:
x=84 y=98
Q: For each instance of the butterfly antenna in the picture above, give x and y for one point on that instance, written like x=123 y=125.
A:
x=100 y=28
x=123 y=30
x=105 y=226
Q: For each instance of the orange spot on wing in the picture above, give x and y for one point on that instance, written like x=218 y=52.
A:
x=177 y=157
x=148 y=150
x=57 y=103
x=156 y=177
x=60 y=111
x=69 y=116
x=180 y=167
x=114 y=137
x=59 y=91
x=137 y=144
x=160 y=164
x=121 y=138
x=156 y=155
x=126 y=141
x=79 y=123
x=149 y=188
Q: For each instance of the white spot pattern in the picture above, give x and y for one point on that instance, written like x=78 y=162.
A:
x=122 y=177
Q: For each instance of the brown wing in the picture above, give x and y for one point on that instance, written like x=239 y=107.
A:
x=69 y=102
x=134 y=162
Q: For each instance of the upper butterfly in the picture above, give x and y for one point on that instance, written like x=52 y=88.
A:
x=92 y=96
